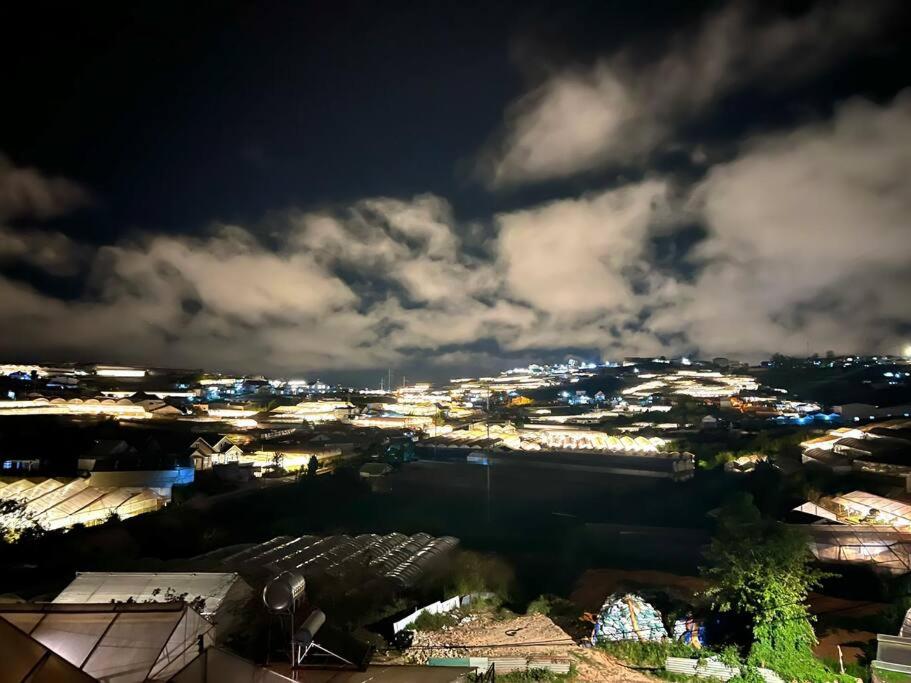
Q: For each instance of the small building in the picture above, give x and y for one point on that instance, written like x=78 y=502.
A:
x=222 y=451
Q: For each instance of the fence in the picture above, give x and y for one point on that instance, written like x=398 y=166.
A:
x=434 y=608
x=712 y=668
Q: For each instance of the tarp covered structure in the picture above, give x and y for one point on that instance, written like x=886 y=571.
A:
x=627 y=617
x=114 y=643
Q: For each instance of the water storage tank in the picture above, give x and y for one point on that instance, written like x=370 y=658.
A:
x=307 y=632
x=282 y=592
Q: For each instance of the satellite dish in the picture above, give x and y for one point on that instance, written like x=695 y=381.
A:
x=283 y=592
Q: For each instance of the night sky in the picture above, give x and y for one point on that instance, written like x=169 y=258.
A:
x=442 y=188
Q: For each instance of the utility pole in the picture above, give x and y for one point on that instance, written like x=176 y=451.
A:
x=487 y=467
x=487 y=418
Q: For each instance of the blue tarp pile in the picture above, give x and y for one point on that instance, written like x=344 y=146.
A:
x=627 y=617
x=690 y=631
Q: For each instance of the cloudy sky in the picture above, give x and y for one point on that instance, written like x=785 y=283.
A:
x=340 y=188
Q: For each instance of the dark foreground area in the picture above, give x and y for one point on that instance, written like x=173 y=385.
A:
x=549 y=525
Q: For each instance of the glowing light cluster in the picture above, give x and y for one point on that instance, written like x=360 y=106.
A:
x=53 y=504
x=698 y=384
x=123 y=408
x=312 y=411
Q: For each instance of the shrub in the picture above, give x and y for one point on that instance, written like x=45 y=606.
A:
x=647 y=654
x=762 y=569
x=552 y=606
x=476 y=573
x=535 y=675
x=434 y=622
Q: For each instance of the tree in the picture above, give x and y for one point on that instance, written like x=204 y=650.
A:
x=439 y=418
x=312 y=466
x=760 y=569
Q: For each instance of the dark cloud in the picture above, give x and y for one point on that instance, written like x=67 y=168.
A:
x=25 y=192
x=620 y=109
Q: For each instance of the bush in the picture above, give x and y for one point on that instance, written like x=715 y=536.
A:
x=434 y=622
x=762 y=570
x=530 y=675
x=476 y=573
x=552 y=606
x=648 y=654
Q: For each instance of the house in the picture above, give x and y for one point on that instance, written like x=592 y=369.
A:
x=222 y=451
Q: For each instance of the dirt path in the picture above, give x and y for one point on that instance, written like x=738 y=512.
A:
x=533 y=637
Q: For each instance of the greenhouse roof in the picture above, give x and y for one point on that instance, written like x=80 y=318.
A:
x=126 y=643
x=149 y=587
x=895 y=512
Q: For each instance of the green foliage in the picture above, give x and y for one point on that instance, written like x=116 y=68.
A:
x=761 y=569
x=434 y=622
x=536 y=675
x=552 y=606
x=748 y=674
x=892 y=676
x=312 y=466
x=476 y=573
x=647 y=654
x=712 y=460
x=855 y=670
